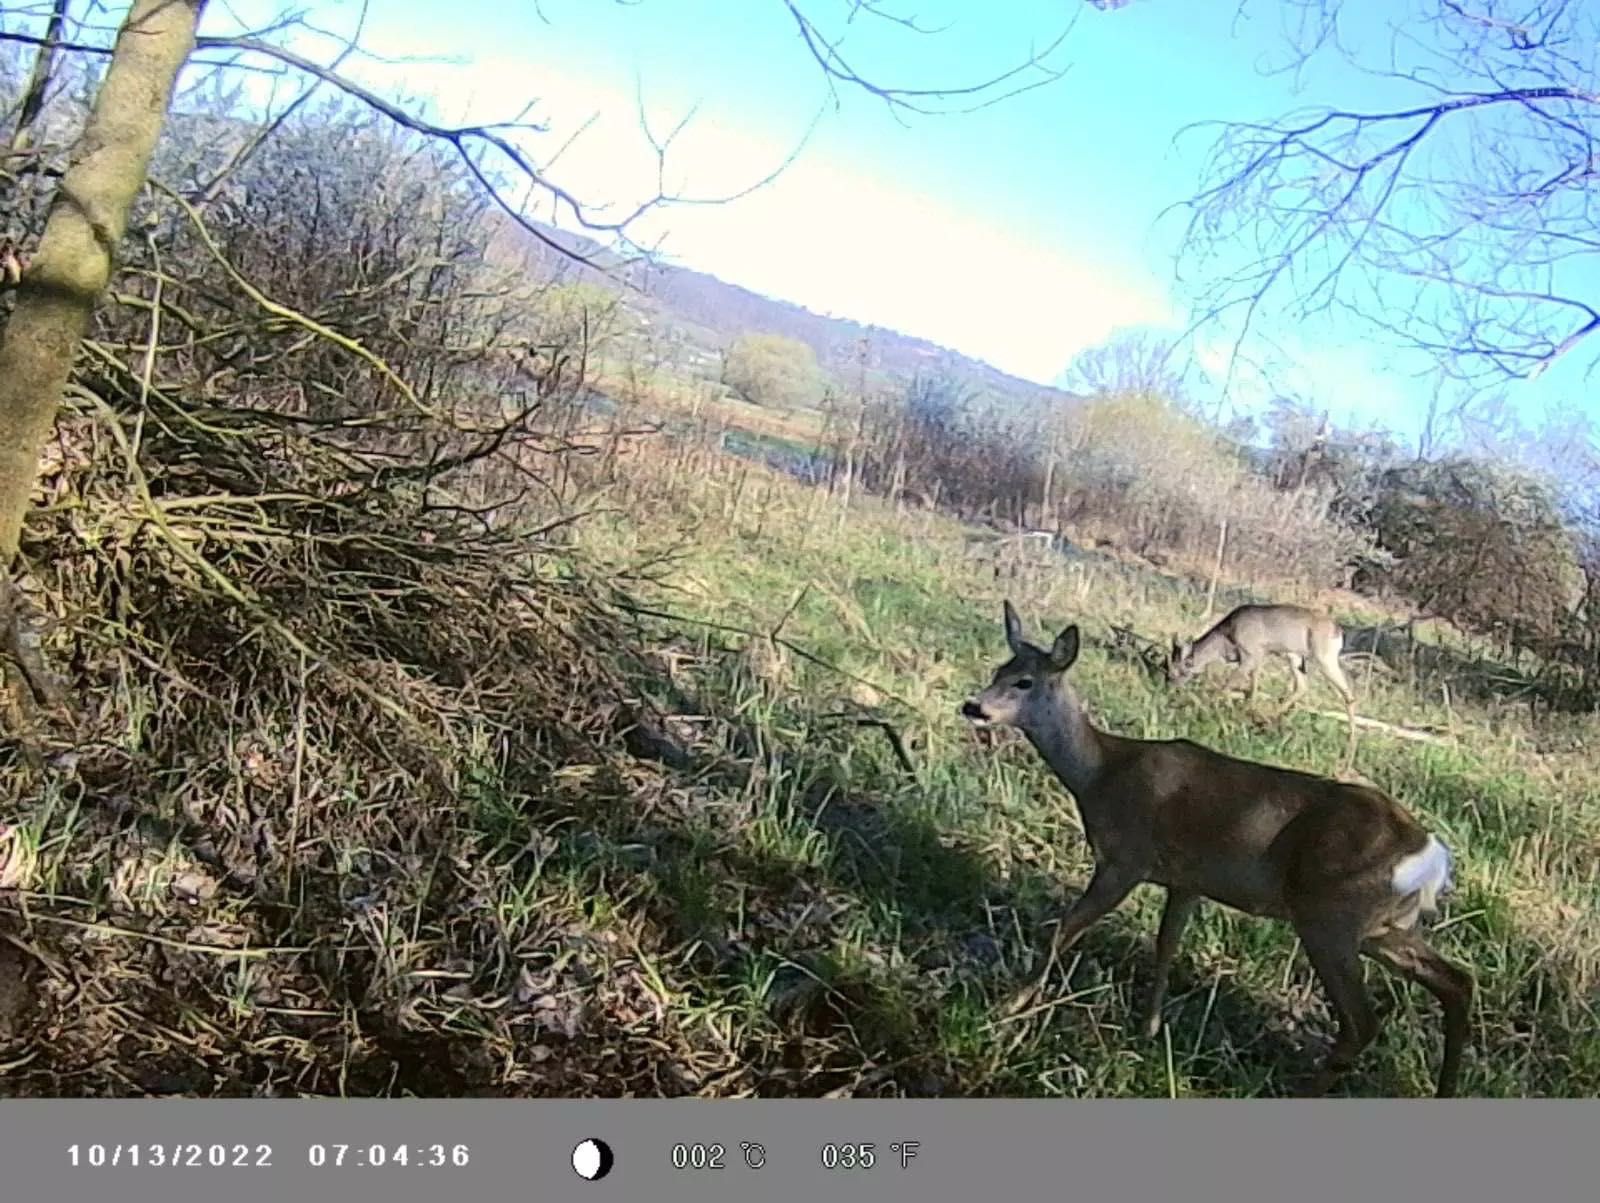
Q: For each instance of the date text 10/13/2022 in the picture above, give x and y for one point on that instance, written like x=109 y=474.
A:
x=116 y=1156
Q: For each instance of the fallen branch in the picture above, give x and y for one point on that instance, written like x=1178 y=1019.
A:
x=1373 y=724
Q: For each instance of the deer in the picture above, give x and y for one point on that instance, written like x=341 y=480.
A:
x=1349 y=868
x=1248 y=634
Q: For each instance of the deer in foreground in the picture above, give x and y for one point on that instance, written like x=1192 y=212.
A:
x=1343 y=863
x=1248 y=634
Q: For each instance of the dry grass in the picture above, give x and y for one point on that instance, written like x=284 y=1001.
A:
x=425 y=813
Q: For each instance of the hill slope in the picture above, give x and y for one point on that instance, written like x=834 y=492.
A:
x=706 y=313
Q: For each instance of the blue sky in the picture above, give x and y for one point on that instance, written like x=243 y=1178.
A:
x=1021 y=234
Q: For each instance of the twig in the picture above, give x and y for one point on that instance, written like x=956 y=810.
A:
x=223 y=582
x=283 y=311
x=127 y=933
x=649 y=612
x=889 y=731
x=789 y=613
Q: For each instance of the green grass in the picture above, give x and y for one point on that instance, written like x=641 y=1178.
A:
x=778 y=908
x=856 y=929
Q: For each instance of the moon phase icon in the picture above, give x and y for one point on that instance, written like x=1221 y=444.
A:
x=592 y=1159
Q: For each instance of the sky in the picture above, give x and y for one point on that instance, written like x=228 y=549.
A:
x=1020 y=234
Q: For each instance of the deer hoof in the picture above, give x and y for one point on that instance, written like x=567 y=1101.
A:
x=1150 y=1025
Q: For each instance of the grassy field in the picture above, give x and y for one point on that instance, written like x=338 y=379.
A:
x=696 y=871
x=860 y=927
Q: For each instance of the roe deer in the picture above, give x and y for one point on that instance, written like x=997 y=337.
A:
x=1248 y=634
x=1343 y=863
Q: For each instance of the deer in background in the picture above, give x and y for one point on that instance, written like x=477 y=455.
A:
x=1248 y=634
x=1343 y=863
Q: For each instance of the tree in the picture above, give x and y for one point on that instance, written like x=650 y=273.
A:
x=72 y=265
x=770 y=369
x=1134 y=360
x=1481 y=545
x=1457 y=213
x=1305 y=448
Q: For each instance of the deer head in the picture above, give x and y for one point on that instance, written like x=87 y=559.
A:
x=1180 y=662
x=1027 y=691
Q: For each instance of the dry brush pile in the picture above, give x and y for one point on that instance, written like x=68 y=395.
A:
x=331 y=679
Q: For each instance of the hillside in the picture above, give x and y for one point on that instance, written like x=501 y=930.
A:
x=705 y=313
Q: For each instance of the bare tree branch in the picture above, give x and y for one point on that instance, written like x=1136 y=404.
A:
x=33 y=95
x=1033 y=72
x=480 y=145
x=259 y=136
x=1463 y=224
x=1132 y=360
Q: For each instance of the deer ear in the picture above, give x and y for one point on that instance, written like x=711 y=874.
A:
x=1064 y=653
x=1013 y=628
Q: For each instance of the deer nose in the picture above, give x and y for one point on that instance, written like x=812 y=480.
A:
x=971 y=709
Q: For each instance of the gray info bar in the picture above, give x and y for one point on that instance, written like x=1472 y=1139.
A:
x=1100 y=1151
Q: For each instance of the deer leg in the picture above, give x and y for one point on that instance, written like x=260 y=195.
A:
x=1350 y=738
x=1106 y=890
x=1298 y=665
x=1297 y=676
x=1329 y=664
x=1252 y=669
x=1336 y=958
x=1407 y=955
x=1174 y=917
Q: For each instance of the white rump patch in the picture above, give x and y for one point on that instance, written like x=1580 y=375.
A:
x=1425 y=873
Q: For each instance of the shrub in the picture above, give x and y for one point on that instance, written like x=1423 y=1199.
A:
x=771 y=370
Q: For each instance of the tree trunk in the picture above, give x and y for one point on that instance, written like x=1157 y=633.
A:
x=88 y=217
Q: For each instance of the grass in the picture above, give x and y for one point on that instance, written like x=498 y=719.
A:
x=747 y=892
x=936 y=888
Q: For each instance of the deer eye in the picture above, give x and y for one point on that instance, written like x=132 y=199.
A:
x=1022 y=683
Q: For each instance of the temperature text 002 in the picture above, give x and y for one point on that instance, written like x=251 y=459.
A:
x=698 y=1157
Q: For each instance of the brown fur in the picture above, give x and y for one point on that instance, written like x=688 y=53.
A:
x=1248 y=634
x=1318 y=853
